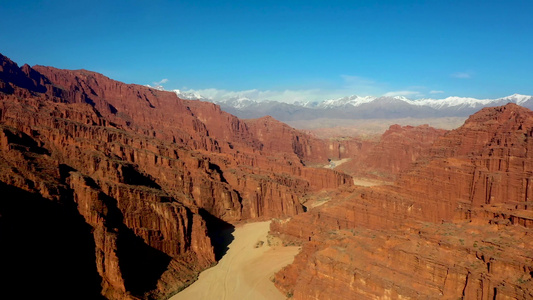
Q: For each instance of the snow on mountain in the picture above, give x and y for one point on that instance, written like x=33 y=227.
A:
x=401 y=98
x=518 y=99
x=463 y=102
x=191 y=96
x=357 y=107
x=455 y=102
x=353 y=100
x=308 y=104
x=157 y=87
x=237 y=102
x=452 y=102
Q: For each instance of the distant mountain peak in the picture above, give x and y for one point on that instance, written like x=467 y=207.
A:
x=403 y=98
x=356 y=106
x=519 y=99
x=190 y=96
x=353 y=100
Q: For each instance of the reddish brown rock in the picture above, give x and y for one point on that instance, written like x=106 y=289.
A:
x=457 y=225
x=482 y=167
x=449 y=261
x=143 y=170
x=279 y=137
x=397 y=149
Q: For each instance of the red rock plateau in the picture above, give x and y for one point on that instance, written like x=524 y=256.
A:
x=116 y=190
x=456 y=225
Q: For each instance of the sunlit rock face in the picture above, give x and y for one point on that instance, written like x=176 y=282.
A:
x=456 y=225
x=138 y=175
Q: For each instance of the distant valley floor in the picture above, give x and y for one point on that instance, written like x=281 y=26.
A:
x=327 y=128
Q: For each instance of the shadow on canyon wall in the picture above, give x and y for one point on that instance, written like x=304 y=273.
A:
x=47 y=249
x=220 y=233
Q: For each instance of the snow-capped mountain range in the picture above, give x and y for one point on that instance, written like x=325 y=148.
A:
x=358 y=107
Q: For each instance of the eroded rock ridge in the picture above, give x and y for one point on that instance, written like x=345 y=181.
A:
x=457 y=225
x=135 y=174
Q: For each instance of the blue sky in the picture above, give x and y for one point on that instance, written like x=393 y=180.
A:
x=285 y=50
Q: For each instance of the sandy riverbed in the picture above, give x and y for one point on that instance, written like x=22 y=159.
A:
x=245 y=271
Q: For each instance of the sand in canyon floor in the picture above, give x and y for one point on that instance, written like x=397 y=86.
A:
x=245 y=271
x=370 y=182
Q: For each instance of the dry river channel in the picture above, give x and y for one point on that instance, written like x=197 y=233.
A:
x=246 y=269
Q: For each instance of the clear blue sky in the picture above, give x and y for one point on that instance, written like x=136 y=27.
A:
x=480 y=49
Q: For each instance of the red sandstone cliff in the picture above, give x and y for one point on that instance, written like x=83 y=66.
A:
x=395 y=151
x=140 y=172
x=278 y=136
x=456 y=225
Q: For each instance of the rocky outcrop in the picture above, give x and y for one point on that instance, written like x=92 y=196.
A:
x=456 y=225
x=277 y=136
x=139 y=233
x=440 y=261
x=482 y=166
x=395 y=151
x=144 y=173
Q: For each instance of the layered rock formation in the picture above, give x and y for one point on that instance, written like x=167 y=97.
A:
x=457 y=225
x=309 y=149
x=139 y=174
x=116 y=190
x=395 y=151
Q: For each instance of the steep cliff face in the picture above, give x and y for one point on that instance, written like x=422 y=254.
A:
x=141 y=171
x=277 y=136
x=221 y=142
x=457 y=225
x=481 y=169
x=450 y=261
x=139 y=232
x=396 y=150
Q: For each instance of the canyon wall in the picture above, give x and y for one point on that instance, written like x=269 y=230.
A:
x=141 y=173
x=455 y=225
x=395 y=151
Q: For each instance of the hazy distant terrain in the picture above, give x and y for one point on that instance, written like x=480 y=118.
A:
x=326 y=128
x=441 y=113
x=363 y=116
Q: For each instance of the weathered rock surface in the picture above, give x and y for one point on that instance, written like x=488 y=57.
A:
x=395 y=151
x=456 y=225
x=277 y=136
x=140 y=171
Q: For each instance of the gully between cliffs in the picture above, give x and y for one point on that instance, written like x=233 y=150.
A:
x=151 y=177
